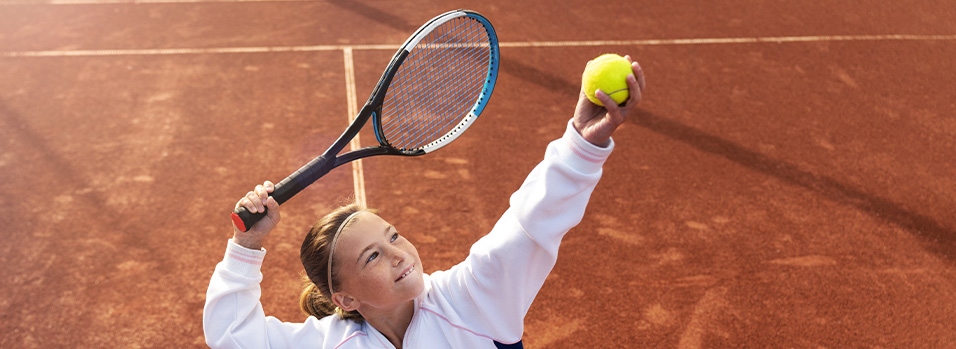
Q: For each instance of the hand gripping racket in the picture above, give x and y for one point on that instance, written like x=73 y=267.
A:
x=434 y=88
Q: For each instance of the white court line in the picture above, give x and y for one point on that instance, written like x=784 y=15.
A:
x=705 y=41
x=130 y=2
x=111 y=2
x=193 y=51
x=358 y=171
x=314 y=48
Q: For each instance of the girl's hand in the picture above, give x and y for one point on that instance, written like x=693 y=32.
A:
x=255 y=201
x=596 y=123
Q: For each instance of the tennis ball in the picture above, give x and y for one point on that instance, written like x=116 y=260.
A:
x=607 y=72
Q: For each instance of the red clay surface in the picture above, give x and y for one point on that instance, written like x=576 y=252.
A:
x=765 y=195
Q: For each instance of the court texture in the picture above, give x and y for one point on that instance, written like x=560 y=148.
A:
x=788 y=181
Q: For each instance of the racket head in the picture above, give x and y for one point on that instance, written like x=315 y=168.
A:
x=441 y=80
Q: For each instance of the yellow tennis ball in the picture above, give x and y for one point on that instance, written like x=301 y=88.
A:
x=608 y=73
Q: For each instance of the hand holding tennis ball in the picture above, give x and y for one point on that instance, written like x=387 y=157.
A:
x=598 y=112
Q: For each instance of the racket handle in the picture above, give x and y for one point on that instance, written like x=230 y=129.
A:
x=243 y=219
x=286 y=189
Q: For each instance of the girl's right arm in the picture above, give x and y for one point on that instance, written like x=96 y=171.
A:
x=233 y=316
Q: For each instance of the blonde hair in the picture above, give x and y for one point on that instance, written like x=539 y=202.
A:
x=316 y=298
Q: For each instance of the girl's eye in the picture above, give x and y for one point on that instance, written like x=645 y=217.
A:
x=394 y=237
x=371 y=257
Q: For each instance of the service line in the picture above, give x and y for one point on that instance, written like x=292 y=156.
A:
x=520 y=44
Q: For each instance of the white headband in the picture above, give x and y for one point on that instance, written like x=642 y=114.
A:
x=335 y=239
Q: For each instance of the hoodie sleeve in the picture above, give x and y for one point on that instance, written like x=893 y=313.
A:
x=233 y=316
x=491 y=290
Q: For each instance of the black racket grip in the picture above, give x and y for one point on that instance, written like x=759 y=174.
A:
x=243 y=219
x=286 y=189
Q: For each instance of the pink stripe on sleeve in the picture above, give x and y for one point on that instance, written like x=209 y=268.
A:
x=246 y=259
x=584 y=154
x=246 y=254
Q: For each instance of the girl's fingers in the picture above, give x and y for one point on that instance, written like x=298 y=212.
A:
x=273 y=211
x=639 y=73
x=257 y=200
x=604 y=98
x=261 y=191
x=255 y=204
x=633 y=85
x=613 y=110
x=245 y=202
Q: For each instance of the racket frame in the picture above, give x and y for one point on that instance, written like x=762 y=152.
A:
x=323 y=164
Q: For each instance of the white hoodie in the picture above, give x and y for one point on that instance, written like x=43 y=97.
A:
x=480 y=301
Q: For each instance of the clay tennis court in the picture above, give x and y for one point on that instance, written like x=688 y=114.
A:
x=789 y=179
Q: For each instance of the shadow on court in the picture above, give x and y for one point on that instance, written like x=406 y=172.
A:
x=936 y=238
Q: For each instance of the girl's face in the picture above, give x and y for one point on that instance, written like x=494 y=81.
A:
x=376 y=265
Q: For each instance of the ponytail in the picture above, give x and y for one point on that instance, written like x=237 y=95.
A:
x=316 y=297
x=313 y=303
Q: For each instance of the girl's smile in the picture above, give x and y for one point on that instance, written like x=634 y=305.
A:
x=407 y=271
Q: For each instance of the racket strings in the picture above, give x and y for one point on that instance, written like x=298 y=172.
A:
x=429 y=100
x=437 y=85
x=436 y=102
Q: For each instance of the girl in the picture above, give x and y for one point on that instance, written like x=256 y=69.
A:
x=369 y=289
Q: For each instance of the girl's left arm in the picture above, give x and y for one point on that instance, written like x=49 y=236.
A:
x=493 y=288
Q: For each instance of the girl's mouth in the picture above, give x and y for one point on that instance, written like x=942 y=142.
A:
x=406 y=273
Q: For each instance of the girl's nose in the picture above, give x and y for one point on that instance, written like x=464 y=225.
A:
x=398 y=256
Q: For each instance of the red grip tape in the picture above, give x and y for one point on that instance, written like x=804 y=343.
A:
x=238 y=222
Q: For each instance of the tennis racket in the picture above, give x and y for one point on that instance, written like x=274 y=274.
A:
x=434 y=88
